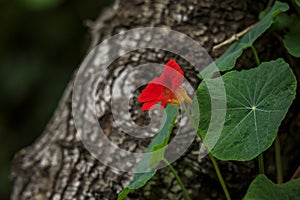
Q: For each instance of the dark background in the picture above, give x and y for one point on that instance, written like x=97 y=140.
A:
x=41 y=43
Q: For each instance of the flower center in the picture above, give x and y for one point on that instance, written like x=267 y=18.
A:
x=179 y=97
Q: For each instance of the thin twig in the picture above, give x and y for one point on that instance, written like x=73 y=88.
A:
x=296 y=174
x=233 y=38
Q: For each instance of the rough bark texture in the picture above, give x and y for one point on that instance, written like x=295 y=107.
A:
x=57 y=166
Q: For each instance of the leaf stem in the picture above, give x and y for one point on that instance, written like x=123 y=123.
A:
x=255 y=55
x=215 y=164
x=185 y=193
x=219 y=175
x=261 y=156
x=261 y=165
x=278 y=160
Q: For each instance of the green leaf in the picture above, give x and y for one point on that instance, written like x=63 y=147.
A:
x=263 y=13
x=228 y=59
x=157 y=148
x=257 y=101
x=264 y=189
x=292 y=41
x=297 y=2
x=284 y=21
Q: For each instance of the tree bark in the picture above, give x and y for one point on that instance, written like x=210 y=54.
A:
x=57 y=166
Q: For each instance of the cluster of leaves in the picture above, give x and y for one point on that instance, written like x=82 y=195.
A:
x=289 y=26
x=257 y=101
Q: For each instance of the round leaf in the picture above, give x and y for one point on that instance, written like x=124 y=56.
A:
x=257 y=101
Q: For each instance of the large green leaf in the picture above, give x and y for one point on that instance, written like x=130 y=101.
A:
x=157 y=148
x=292 y=41
x=264 y=189
x=228 y=59
x=257 y=101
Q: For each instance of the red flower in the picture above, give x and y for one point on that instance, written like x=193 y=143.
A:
x=165 y=89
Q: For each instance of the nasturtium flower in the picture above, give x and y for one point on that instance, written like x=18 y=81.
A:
x=165 y=89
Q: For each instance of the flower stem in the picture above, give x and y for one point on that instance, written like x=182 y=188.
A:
x=215 y=164
x=185 y=193
x=189 y=116
x=261 y=165
x=278 y=160
x=219 y=175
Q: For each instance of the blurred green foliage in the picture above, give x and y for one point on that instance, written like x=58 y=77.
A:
x=41 y=43
x=40 y=4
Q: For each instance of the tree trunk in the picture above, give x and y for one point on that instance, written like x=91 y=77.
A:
x=57 y=166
